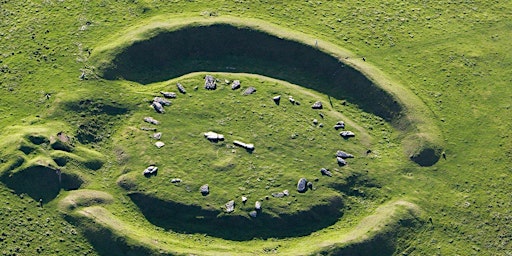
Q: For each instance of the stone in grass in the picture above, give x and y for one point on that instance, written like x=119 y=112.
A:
x=204 y=189
x=249 y=147
x=157 y=135
x=310 y=185
x=278 y=194
x=162 y=101
x=257 y=205
x=344 y=154
x=286 y=192
x=347 y=134
x=213 y=136
x=159 y=144
x=249 y=90
x=317 y=105
x=253 y=214
x=230 y=206
x=150 y=170
x=315 y=122
x=158 y=107
x=302 y=185
x=235 y=85
x=181 y=88
x=277 y=99
x=170 y=95
x=290 y=98
x=151 y=120
x=325 y=172
x=209 y=83
x=339 y=125
x=341 y=161
x=175 y=180
x=244 y=199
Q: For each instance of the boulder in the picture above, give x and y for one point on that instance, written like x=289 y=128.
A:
x=209 y=83
x=249 y=90
x=257 y=205
x=170 y=95
x=213 y=136
x=181 y=88
x=150 y=170
x=158 y=107
x=339 y=125
x=157 y=135
x=176 y=180
x=162 y=101
x=325 y=172
x=235 y=85
x=343 y=154
x=277 y=99
x=310 y=185
x=347 y=134
x=204 y=189
x=253 y=214
x=151 y=120
x=302 y=185
x=230 y=206
x=159 y=144
x=317 y=105
x=315 y=122
x=249 y=147
x=341 y=161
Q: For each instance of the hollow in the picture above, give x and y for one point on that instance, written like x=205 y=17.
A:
x=226 y=48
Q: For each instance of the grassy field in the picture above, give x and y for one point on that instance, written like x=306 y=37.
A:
x=447 y=62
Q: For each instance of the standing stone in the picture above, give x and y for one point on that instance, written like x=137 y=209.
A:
x=315 y=122
x=339 y=125
x=302 y=185
x=209 y=83
x=235 y=85
x=205 y=189
x=244 y=199
x=230 y=206
x=157 y=135
x=158 y=107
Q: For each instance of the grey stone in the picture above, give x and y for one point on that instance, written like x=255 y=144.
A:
x=249 y=90
x=253 y=214
x=286 y=192
x=235 y=85
x=343 y=154
x=150 y=170
x=277 y=99
x=170 y=95
x=162 y=101
x=291 y=100
x=157 y=136
x=230 y=206
x=181 y=88
x=317 y=105
x=278 y=194
x=347 y=134
x=204 y=189
x=325 y=172
x=310 y=185
x=257 y=205
x=244 y=145
x=151 y=120
x=176 y=180
x=341 y=161
x=209 y=83
x=339 y=125
x=302 y=185
x=244 y=199
x=213 y=136
x=159 y=144
x=158 y=107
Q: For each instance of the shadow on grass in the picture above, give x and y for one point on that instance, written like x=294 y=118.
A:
x=193 y=219
x=225 y=48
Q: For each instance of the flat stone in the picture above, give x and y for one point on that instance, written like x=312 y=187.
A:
x=244 y=145
x=230 y=206
x=344 y=154
x=213 y=136
x=170 y=95
x=162 y=101
x=151 y=120
x=317 y=105
x=302 y=185
x=249 y=90
x=253 y=214
x=341 y=161
x=235 y=85
x=347 y=134
x=325 y=172
x=159 y=144
x=204 y=189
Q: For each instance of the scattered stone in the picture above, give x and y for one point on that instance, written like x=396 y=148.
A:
x=150 y=170
x=162 y=101
x=181 y=88
x=339 y=125
x=257 y=205
x=159 y=144
x=325 y=172
x=317 y=105
x=151 y=120
x=286 y=192
x=157 y=135
x=278 y=194
x=310 y=185
x=148 y=128
x=315 y=122
x=347 y=134
x=158 y=107
x=321 y=115
x=341 y=161
x=209 y=83
x=253 y=214
x=244 y=199
x=213 y=136
x=230 y=206
x=343 y=154
x=290 y=98
x=321 y=125
x=249 y=90
x=302 y=185
x=170 y=95
x=235 y=85
x=204 y=189
x=249 y=147
x=176 y=180
x=277 y=99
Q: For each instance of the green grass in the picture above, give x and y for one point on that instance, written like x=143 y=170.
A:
x=452 y=55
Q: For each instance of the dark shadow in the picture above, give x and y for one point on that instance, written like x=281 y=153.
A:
x=225 y=48
x=426 y=157
x=194 y=219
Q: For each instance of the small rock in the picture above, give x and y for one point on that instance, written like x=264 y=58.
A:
x=244 y=199
x=230 y=206
x=204 y=189
x=343 y=154
x=341 y=161
x=315 y=122
x=157 y=135
x=244 y=145
x=257 y=205
x=290 y=98
x=253 y=214
x=249 y=90
x=310 y=185
x=277 y=99
x=317 y=105
x=278 y=194
x=148 y=128
x=321 y=115
x=339 y=125
x=213 y=136
x=170 y=95
x=302 y=185
x=321 y=125
x=325 y=172
x=159 y=144
x=151 y=120
x=286 y=192
x=181 y=88
x=209 y=83
x=176 y=180
x=347 y=134
x=235 y=85
x=162 y=101
x=150 y=170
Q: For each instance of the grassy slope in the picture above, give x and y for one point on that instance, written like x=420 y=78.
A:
x=453 y=55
